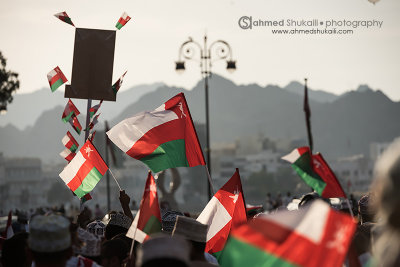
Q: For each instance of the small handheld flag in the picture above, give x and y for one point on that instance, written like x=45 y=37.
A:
x=94 y=109
x=69 y=111
x=86 y=169
x=122 y=21
x=315 y=172
x=75 y=124
x=118 y=83
x=56 y=78
x=63 y=16
x=67 y=154
x=70 y=142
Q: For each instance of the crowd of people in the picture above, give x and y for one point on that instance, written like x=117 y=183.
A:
x=50 y=237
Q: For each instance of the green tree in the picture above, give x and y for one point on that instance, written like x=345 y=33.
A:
x=8 y=84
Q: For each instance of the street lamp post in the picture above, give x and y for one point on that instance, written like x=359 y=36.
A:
x=218 y=50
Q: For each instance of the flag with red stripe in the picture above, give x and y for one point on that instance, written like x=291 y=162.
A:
x=70 y=110
x=118 y=83
x=86 y=169
x=56 y=78
x=313 y=236
x=75 y=124
x=122 y=21
x=163 y=138
x=70 y=142
x=63 y=16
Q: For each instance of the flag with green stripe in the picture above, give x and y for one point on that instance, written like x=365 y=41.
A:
x=314 y=236
x=63 y=16
x=70 y=110
x=163 y=138
x=315 y=172
x=56 y=78
x=70 y=142
x=122 y=21
x=86 y=169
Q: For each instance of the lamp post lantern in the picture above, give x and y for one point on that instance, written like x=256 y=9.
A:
x=217 y=50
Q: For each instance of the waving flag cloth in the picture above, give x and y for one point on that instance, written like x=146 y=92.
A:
x=313 y=236
x=148 y=219
x=67 y=154
x=224 y=211
x=69 y=111
x=75 y=124
x=118 y=83
x=94 y=109
x=122 y=21
x=64 y=17
x=86 y=198
x=315 y=172
x=8 y=232
x=86 y=169
x=70 y=142
x=163 y=138
x=92 y=123
x=56 y=78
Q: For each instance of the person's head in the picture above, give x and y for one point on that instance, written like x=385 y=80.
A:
x=193 y=231
x=97 y=228
x=163 y=250
x=119 y=223
x=89 y=245
x=50 y=240
x=113 y=253
x=168 y=219
x=15 y=251
x=386 y=188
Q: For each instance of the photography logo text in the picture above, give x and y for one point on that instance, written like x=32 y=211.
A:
x=309 y=26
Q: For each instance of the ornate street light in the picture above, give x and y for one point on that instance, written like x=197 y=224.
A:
x=218 y=50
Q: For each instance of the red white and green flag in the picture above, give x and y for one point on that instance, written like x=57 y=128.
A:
x=70 y=110
x=67 y=154
x=315 y=172
x=122 y=21
x=86 y=198
x=93 y=122
x=163 y=138
x=313 y=236
x=63 y=16
x=94 y=109
x=118 y=83
x=56 y=78
x=148 y=219
x=75 y=124
x=225 y=211
x=86 y=169
x=70 y=142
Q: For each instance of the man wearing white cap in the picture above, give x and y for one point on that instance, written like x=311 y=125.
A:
x=50 y=240
x=196 y=233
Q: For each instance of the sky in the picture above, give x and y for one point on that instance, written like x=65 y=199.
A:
x=34 y=41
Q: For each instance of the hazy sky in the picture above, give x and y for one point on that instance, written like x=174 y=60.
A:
x=34 y=41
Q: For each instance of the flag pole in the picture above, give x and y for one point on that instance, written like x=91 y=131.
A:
x=133 y=243
x=348 y=204
x=307 y=111
x=89 y=105
x=115 y=179
x=210 y=181
x=108 y=174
